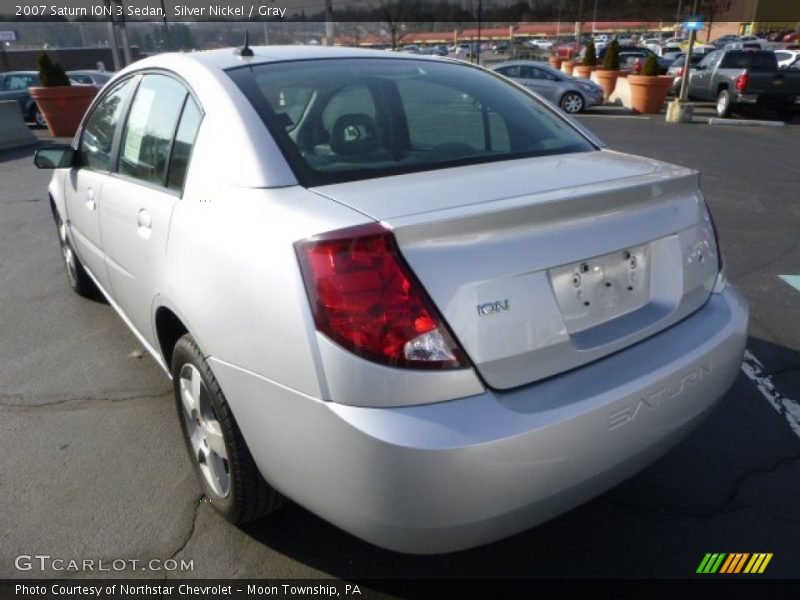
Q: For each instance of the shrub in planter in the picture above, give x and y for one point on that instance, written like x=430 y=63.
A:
x=607 y=76
x=555 y=59
x=588 y=64
x=62 y=105
x=649 y=89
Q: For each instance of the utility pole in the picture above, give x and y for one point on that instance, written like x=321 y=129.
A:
x=478 y=49
x=112 y=39
x=329 y=40
x=688 y=60
x=679 y=110
x=123 y=34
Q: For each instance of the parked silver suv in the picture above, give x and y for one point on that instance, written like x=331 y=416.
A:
x=401 y=291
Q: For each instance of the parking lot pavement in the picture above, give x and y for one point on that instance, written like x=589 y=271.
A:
x=94 y=465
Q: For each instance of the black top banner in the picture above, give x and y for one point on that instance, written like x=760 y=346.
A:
x=428 y=11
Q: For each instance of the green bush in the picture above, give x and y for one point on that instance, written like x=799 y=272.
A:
x=650 y=66
x=590 y=56
x=51 y=74
x=611 y=61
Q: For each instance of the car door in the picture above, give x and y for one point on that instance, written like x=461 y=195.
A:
x=544 y=82
x=84 y=183
x=700 y=77
x=138 y=198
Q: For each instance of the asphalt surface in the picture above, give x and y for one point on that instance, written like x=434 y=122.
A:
x=94 y=467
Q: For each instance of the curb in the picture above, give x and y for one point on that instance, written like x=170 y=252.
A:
x=745 y=122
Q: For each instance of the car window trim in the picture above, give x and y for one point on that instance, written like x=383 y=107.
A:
x=88 y=115
x=172 y=147
x=116 y=147
x=124 y=130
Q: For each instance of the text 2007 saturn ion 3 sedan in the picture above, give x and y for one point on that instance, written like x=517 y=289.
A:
x=401 y=291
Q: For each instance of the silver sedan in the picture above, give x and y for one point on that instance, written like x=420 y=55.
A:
x=571 y=94
x=398 y=290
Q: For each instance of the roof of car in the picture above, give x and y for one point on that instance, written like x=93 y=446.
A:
x=225 y=58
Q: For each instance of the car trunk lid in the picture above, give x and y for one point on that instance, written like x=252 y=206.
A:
x=544 y=264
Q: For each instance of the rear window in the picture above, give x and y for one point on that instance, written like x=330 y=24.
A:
x=755 y=61
x=348 y=119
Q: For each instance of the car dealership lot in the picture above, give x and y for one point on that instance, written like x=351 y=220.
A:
x=94 y=466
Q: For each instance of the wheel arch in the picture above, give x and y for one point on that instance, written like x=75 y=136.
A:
x=169 y=329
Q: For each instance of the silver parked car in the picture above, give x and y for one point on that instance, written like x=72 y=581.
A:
x=401 y=291
x=571 y=94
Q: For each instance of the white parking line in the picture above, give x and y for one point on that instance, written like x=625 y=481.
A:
x=785 y=406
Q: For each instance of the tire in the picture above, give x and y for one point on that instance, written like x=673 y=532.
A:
x=723 y=107
x=571 y=103
x=38 y=117
x=785 y=114
x=227 y=472
x=77 y=277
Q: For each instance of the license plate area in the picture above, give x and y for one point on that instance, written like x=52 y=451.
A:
x=597 y=290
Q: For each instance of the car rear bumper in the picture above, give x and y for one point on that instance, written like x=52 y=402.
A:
x=448 y=476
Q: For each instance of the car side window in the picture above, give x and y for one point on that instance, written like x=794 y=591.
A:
x=150 y=128
x=512 y=71
x=97 y=137
x=708 y=60
x=184 y=142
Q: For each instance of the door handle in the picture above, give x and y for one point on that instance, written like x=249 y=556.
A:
x=90 y=203
x=144 y=224
x=144 y=221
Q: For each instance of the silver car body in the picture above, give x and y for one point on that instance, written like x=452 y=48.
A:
x=559 y=403
x=550 y=83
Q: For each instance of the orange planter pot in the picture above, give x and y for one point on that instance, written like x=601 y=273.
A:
x=63 y=107
x=555 y=62
x=567 y=66
x=648 y=92
x=583 y=72
x=608 y=81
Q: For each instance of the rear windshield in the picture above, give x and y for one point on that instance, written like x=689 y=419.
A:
x=755 y=61
x=347 y=119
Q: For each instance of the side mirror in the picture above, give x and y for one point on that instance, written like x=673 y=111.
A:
x=58 y=156
x=699 y=67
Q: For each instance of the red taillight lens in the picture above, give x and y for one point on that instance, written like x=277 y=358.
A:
x=680 y=72
x=741 y=82
x=366 y=299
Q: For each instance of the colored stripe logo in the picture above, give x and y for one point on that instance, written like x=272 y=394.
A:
x=734 y=563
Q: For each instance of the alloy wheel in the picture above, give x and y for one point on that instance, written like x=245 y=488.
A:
x=204 y=431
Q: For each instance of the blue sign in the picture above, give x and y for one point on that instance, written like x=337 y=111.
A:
x=694 y=23
x=9 y=36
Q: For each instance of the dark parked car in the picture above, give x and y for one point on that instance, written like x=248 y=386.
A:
x=89 y=77
x=14 y=86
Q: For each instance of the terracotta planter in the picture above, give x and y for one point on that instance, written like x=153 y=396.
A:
x=63 y=106
x=555 y=62
x=583 y=72
x=648 y=92
x=608 y=80
x=567 y=66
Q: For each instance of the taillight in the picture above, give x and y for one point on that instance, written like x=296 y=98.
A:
x=365 y=298
x=741 y=82
x=680 y=72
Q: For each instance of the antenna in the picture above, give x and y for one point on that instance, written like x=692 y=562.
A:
x=244 y=50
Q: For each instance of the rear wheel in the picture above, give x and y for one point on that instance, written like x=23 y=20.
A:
x=77 y=276
x=724 y=104
x=785 y=114
x=226 y=469
x=38 y=117
x=571 y=103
